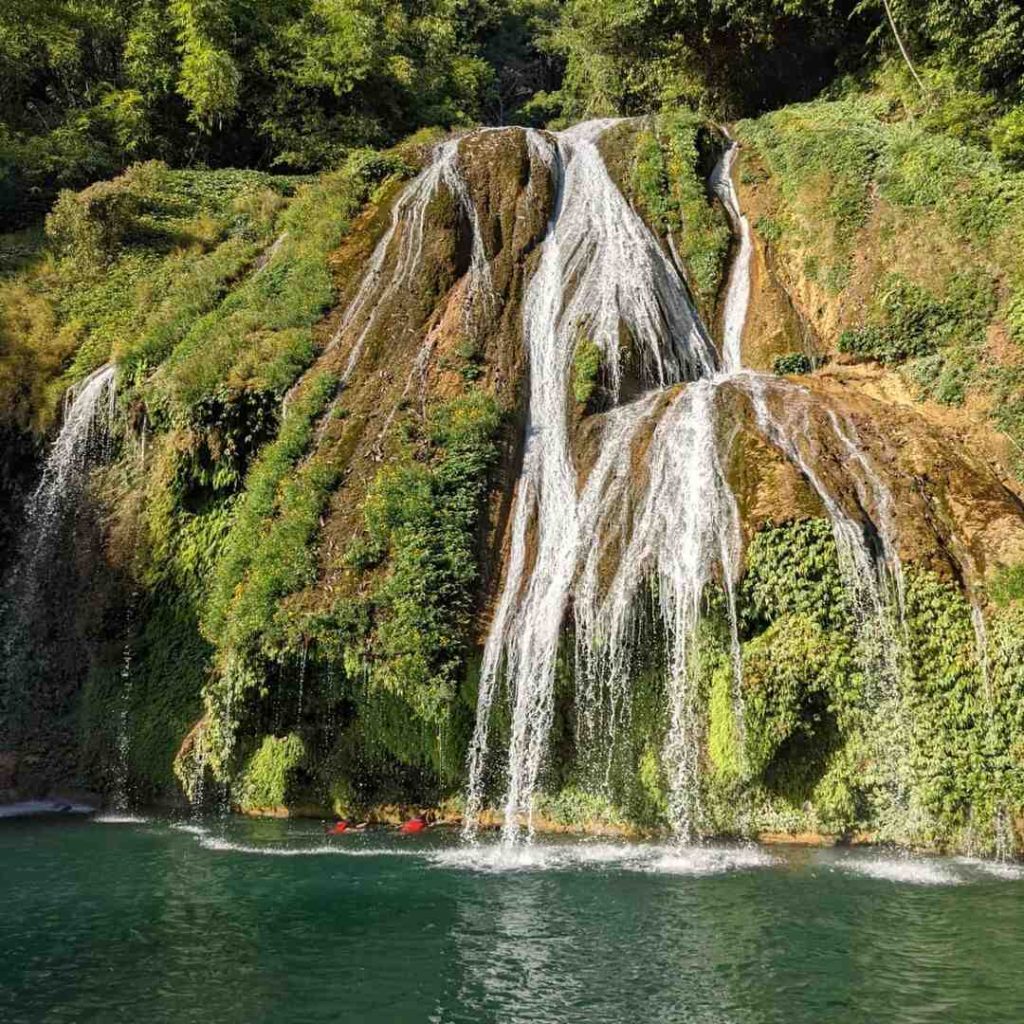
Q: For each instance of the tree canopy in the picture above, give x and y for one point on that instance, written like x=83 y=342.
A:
x=89 y=86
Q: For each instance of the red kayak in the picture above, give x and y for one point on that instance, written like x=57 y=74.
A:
x=417 y=824
x=338 y=828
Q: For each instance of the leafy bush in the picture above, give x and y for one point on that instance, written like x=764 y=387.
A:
x=1008 y=138
x=1007 y=584
x=85 y=228
x=422 y=517
x=910 y=322
x=792 y=363
x=586 y=370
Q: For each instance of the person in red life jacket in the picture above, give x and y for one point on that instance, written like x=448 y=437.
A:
x=415 y=824
x=345 y=825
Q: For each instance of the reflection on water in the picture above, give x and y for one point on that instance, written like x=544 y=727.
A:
x=237 y=921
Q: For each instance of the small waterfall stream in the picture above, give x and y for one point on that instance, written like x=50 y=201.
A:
x=84 y=439
x=603 y=274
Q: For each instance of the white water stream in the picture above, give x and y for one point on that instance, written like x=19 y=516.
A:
x=84 y=438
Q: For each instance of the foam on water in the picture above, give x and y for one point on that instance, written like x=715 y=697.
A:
x=710 y=860
x=1005 y=870
x=115 y=818
x=907 y=870
x=654 y=858
x=221 y=845
x=194 y=830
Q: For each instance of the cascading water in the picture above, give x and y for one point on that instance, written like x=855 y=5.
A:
x=737 y=296
x=602 y=273
x=403 y=243
x=84 y=439
x=601 y=270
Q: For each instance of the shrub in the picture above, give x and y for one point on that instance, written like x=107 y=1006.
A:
x=792 y=363
x=85 y=228
x=1007 y=584
x=586 y=370
x=1008 y=138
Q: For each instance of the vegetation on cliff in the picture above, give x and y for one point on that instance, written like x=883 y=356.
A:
x=292 y=552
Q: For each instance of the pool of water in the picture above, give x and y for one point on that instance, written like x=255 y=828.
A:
x=152 y=920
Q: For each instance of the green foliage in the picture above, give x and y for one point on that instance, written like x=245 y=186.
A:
x=266 y=552
x=770 y=229
x=909 y=321
x=586 y=370
x=793 y=569
x=265 y=780
x=86 y=228
x=91 y=86
x=1008 y=138
x=1013 y=315
x=632 y=58
x=578 y=808
x=791 y=674
x=792 y=363
x=1007 y=584
x=669 y=175
x=261 y=336
x=945 y=694
x=725 y=748
x=421 y=516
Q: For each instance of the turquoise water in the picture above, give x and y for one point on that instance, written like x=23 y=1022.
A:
x=241 y=921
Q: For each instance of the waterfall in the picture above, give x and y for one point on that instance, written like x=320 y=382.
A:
x=737 y=297
x=676 y=522
x=84 y=438
x=399 y=254
x=685 y=526
x=601 y=270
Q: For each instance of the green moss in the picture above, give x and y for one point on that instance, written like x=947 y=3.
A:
x=793 y=674
x=725 y=746
x=265 y=780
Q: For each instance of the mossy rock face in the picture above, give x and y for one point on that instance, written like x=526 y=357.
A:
x=302 y=525
x=368 y=516
x=896 y=244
